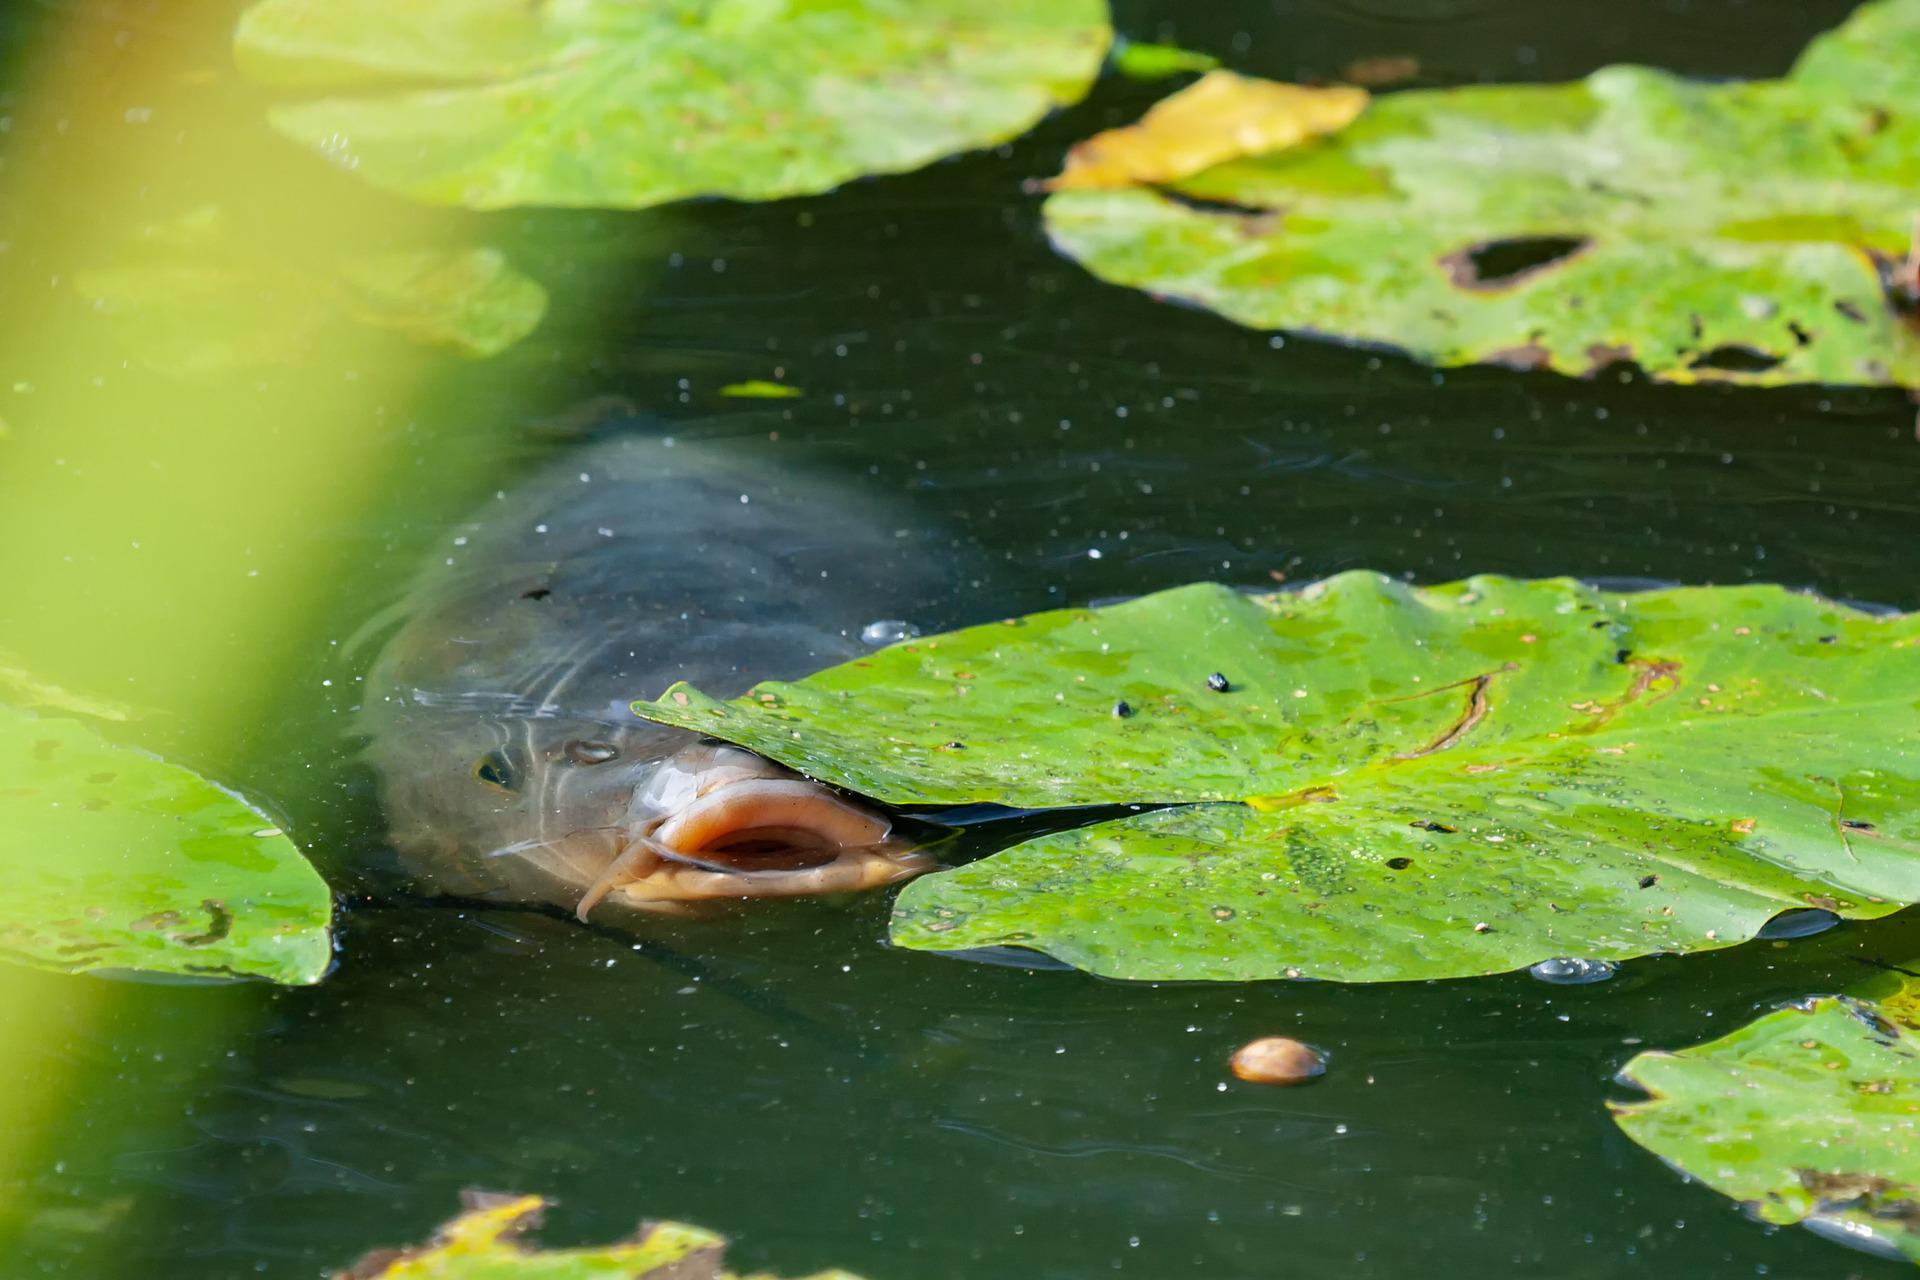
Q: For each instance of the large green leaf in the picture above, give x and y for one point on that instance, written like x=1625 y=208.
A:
x=1399 y=783
x=1810 y=1114
x=1745 y=232
x=116 y=860
x=490 y=103
x=484 y=1243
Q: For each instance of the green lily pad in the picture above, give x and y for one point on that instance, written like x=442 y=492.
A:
x=194 y=306
x=1808 y=1115
x=1397 y=783
x=116 y=860
x=484 y=1243
x=492 y=103
x=1750 y=232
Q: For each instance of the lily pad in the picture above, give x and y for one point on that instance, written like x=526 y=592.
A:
x=193 y=307
x=1752 y=232
x=484 y=1243
x=492 y=103
x=1395 y=783
x=1808 y=1115
x=116 y=860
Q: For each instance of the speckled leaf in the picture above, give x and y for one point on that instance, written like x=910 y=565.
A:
x=116 y=860
x=491 y=103
x=1744 y=232
x=201 y=310
x=1809 y=1115
x=1399 y=783
x=484 y=1243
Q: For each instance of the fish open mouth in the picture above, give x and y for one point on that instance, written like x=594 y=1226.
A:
x=757 y=836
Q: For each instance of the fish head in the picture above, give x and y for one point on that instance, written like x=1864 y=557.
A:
x=593 y=814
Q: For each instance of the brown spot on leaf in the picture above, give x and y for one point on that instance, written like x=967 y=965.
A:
x=1523 y=358
x=1385 y=69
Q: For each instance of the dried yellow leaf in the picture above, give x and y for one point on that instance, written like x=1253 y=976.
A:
x=1219 y=117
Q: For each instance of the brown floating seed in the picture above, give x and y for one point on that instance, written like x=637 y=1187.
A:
x=1278 y=1060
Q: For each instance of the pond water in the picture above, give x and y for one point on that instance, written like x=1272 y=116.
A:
x=779 y=1074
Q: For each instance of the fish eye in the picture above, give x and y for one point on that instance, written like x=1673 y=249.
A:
x=493 y=770
x=583 y=752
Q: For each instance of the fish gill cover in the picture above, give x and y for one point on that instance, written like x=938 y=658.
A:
x=1756 y=232
x=1385 y=782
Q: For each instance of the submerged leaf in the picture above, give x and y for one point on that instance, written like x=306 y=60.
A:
x=1742 y=232
x=761 y=389
x=1217 y=118
x=1142 y=60
x=1385 y=782
x=23 y=688
x=1810 y=1114
x=484 y=1243
x=116 y=860
x=491 y=103
x=198 y=306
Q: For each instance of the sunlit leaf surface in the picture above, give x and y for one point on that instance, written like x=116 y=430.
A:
x=1737 y=232
x=484 y=1243
x=491 y=103
x=1810 y=1115
x=116 y=860
x=1217 y=118
x=1395 y=782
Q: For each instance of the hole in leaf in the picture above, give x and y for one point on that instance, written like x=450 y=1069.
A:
x=1499 y=264
x=1736 y=359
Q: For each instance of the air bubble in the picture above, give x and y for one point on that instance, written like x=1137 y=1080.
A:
x=887 y=631
x=1799 y=922
x=1571 y=971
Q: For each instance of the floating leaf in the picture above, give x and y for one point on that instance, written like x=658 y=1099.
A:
x=204 y=310
x=1808 y=1115
x=1218 y=117
x=484 y=1243
x=1395 y=783
x=1141 y=60
x=1743 y=232
x=116 y=860
x=491 y=103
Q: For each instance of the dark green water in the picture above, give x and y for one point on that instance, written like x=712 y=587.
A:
x=780 y=1074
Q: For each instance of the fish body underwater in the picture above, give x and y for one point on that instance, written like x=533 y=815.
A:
x=497 y=716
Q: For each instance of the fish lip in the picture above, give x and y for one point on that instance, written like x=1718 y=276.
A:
x=683 y=857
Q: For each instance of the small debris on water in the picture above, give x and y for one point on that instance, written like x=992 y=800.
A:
x=955 y=746
x=1483 y=927
x=886 y=631
x=1218 y=683
x=1647 y=882
x=1278 y=1060
x=1121 y=710
x=1573 y=971
x=1399 y=864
